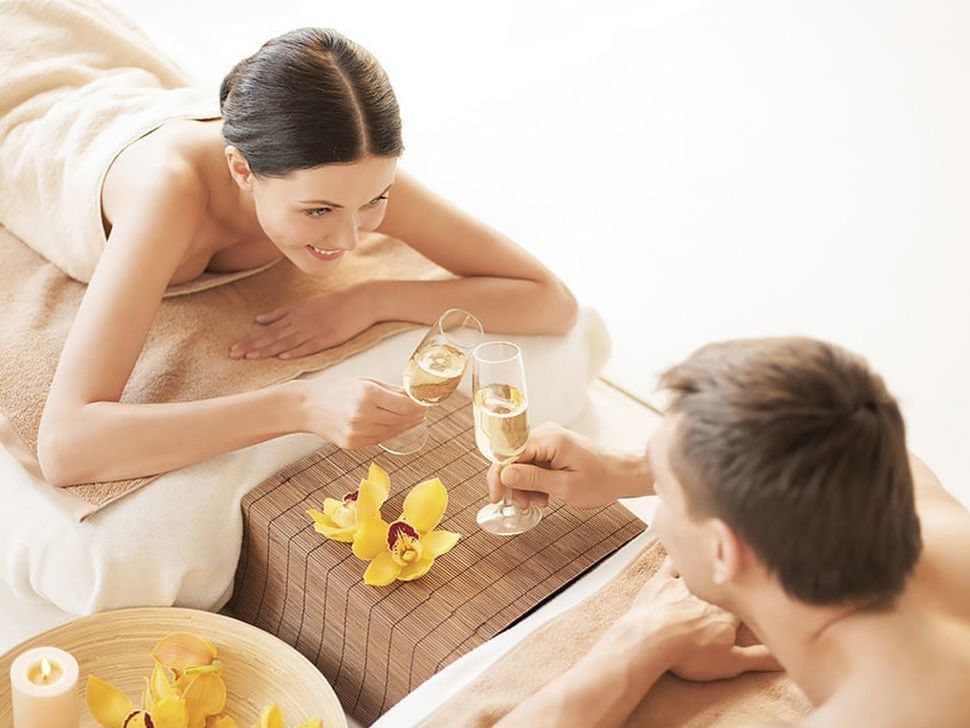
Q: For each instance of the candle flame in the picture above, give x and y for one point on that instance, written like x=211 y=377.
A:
x=45 y=669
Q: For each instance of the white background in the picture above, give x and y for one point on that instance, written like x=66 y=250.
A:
x=694 y=170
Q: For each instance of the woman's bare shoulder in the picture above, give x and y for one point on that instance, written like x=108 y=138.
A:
x=169 y=165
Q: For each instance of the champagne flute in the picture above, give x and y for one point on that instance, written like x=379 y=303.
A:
x=434 y=371
x=501 y=427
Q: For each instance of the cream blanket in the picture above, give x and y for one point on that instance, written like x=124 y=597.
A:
x=78 y=83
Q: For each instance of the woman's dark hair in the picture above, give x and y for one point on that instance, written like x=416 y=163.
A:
x=307 y=98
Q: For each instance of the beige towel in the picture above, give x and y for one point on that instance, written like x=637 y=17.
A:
x=553 y=648
x=78 y=84
x=186 y=355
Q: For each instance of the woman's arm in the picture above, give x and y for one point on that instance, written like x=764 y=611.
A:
x=86 y=434
x=505 y=287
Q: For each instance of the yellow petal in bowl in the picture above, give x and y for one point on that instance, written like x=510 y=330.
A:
x=109 y=706
x=258 y=668
x=182 y=650
x=170 y=712
x=270 y=717
x=204 y=695
x=221 y=721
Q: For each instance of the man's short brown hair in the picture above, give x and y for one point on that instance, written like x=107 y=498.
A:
x=798 y=446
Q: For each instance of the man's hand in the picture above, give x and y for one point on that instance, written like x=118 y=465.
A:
x=570 y=468
x=699 y=635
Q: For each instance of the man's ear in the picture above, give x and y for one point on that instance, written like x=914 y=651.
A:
x=729 y=552
x=242 y=175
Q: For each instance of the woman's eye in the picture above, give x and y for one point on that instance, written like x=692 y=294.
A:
x=317 y=212
x=379 y=200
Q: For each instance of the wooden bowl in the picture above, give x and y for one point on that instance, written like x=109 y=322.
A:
x=258 y=668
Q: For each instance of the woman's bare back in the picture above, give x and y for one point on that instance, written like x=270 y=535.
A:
x=228 y=237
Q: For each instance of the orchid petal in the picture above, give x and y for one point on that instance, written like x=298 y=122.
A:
x=370 y=539
x=436 y=543
x=382 y=570
x=425 y=505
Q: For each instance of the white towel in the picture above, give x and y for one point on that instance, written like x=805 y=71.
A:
x=78 y=84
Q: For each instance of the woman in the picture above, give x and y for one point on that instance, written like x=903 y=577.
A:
x=303 y=158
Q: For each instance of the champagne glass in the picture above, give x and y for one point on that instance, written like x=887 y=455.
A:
x=434 y=371
x=501 y=427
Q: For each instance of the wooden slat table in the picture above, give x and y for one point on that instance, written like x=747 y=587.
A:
x=377 y=644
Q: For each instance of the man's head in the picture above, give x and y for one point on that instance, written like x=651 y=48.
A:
x=785 y=459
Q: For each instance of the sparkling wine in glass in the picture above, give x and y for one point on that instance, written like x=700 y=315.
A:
x=501 y=408
x=434 y=371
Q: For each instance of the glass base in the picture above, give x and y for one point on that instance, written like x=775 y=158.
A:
x=409 y=441
x=508 y=520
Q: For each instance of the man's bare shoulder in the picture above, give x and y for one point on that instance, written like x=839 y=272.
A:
x=943 y=572
x=928 y=486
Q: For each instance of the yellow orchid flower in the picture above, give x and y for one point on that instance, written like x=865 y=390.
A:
x=196 y=698
x=340 y=518
x=271 y=717
x=198 y=673
x=406 y=549
x=112 y=709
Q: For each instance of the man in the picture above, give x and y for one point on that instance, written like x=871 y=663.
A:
x=787 y=498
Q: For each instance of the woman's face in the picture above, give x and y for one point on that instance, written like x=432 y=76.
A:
x=314 y=215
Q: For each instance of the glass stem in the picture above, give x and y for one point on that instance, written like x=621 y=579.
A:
x=507 y=504
x=508 y=507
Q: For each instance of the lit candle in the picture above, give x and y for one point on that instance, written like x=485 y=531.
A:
x=43 y=684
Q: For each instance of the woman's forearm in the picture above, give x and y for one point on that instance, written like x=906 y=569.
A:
x=113 y=441
x=604 y=687
x=506 y=305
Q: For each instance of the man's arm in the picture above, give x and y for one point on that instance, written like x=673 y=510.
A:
x=604 y=687
x=666 y=628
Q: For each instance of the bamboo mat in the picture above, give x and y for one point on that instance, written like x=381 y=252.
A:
x=375 y=645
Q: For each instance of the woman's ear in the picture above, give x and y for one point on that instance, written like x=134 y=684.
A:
x=242 y=175
x=728 y=552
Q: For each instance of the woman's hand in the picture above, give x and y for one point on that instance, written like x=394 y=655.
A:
x=354 y=413
x=307 y=327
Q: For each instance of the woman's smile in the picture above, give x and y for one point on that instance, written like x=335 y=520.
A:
x=323 y=253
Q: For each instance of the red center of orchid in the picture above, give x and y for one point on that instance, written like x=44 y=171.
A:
x=145 y=717
x=397 y=529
